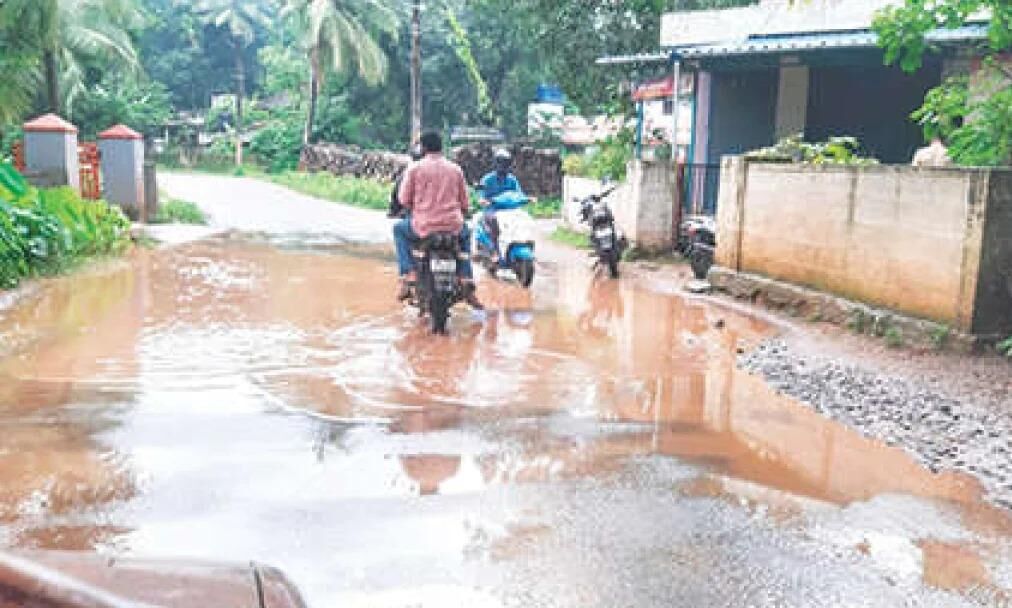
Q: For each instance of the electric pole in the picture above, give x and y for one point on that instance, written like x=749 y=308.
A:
x=416 y=71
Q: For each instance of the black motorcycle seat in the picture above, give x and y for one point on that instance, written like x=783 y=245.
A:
x=441 y=241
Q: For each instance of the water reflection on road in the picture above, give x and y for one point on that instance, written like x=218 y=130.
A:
x=231 y=400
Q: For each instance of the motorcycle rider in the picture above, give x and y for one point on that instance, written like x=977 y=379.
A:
x=434 y=193
x=496 y=182
x=396 y=209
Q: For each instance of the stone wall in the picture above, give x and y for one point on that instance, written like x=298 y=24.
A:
x=539 y=171
x=931 y=243
x=352 y=161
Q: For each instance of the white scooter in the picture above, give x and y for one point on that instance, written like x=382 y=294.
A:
x=517 y=232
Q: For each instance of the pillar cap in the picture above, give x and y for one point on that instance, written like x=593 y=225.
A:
x=120 y=131
x=49 y=123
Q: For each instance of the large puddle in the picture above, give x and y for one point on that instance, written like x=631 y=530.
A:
x=233 y=400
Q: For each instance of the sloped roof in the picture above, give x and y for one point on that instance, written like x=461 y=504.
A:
x=758 y=45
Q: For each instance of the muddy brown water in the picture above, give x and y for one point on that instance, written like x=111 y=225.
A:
x=236 y=400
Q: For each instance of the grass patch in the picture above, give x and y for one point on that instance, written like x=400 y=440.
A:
x=546 y=208
x=940 y=336
x=368 y=193
x=893 y=337
x=1005 y=347
x=175 y=211
x=572 y=238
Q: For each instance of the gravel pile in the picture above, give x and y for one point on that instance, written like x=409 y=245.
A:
x=943 y=433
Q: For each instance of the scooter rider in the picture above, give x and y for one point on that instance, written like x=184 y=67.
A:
x=500 y=180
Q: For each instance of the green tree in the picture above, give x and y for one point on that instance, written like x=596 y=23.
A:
x=142 y=105
x=972 y=112
x=240 y=18
x=572 y=34
x=463 y=48
x=66 y=33
x=338 y=35
x=178 y=49
x=20 y=80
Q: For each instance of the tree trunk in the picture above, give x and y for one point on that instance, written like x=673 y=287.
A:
x=240 y=69
x=416 y=72
x=314 y=95
x=52 y=80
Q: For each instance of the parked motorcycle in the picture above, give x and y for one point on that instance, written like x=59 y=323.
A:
x=697 y=241
x=437 y=258
x=517 y=232
x=606 y=239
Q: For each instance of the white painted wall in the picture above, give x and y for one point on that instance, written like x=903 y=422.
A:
x=792 y=100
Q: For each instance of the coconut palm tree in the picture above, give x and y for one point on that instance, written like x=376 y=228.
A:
x=18 y=64
x=240 y=18
x=338 y=35
x=66 y=32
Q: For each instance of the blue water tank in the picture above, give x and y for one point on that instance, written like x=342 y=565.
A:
x=550 y=93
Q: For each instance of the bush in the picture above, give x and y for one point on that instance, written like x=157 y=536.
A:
x=612 y=157
x=180 y=212
x=44 y=231
x=278 y=145
x=608 y=160
x=793 y=149
x=574 y=165
x=973 y=117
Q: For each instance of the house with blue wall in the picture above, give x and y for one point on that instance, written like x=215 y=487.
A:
x=777 y=68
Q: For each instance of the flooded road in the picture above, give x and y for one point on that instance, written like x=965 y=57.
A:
x=588 y=444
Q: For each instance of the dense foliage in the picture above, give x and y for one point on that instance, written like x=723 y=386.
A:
x=43 y=231
x=312 y=69
x=607 y=160
x=972 y=113
x=572 y=34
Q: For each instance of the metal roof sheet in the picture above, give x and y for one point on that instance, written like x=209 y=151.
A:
x=759 y=45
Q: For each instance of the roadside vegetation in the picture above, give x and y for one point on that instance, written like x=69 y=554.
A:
x=607 y=160
x=371 y=194
x=973 y=115
x=47 y=231
x=570 y=237
x=1005 y=347
x=175 y=211
x=793 y=149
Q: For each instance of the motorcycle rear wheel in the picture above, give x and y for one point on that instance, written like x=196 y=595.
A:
x=701 y=260
x=613 y=265
x=439 y=312
x=524 y=270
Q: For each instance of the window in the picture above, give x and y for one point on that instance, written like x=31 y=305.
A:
x=669 y=107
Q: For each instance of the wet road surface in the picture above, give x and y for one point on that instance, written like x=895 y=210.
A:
x=590 y=444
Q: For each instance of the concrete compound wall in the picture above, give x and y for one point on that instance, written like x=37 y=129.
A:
x=643 y=205
x=931 y=243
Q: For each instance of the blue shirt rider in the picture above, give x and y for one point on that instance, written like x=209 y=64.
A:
x=500 y=180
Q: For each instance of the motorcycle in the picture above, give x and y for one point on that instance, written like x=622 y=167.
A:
x=438 y=289
x=517 y=232
x=606 y=239
x=697 y=241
